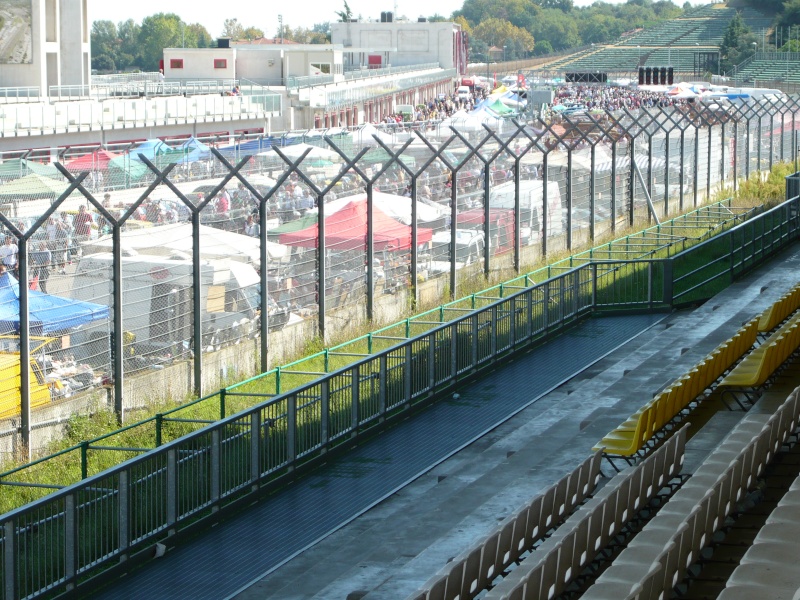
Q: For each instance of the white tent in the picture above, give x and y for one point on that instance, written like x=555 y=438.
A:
x=364 y=136
x=296 y=150
x=164 y=240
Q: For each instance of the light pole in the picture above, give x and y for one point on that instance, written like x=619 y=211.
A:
x=755 y=46
x=504 y=53
x=639 y=49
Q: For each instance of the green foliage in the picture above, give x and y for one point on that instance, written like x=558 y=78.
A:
x=736 y=44
x=344 y=15
x=558 y=25
x=496 y=32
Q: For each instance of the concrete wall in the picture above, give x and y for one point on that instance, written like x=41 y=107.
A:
x=198 y=63
x=60 y=46
x=74 y=61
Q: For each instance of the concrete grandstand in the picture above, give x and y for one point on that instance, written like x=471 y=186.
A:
x=677 y=42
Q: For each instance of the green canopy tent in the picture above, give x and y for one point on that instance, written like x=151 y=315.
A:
x=499 y=107
x=32 y=186
x=124 y=171
x=292 y=226
x=19 y=167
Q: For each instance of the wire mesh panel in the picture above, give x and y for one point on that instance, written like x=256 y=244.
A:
x=194 y=473
x=308 y=433
x=98 y=521
x=235 y=456
x=39 y=546
x=148 y=497
x=371 y=391
x=274 y=446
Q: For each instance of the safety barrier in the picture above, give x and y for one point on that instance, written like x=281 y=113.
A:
x=75 y=532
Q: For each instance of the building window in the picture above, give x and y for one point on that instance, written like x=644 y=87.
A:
x=175 y=63
x=323 y=68
x=220 y=63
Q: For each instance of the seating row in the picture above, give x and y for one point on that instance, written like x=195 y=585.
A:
x=549 y=570
x=657 y=558
x=758 y=366
x=769 y=567
x=632 y=437
x=780 y=310
x=472 y=571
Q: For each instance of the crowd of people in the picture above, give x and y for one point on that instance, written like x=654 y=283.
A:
x=615 y=97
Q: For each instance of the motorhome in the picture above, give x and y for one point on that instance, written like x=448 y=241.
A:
x=158 y=302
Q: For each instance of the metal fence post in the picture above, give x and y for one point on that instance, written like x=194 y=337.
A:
x=70 y=540
x=197 y=307
x=123 y=513
x=355 y=398
x=10 y=560
x=118 y=339
x=24 y=350
x=172 y=489
x=216 y=469
x=255 y=448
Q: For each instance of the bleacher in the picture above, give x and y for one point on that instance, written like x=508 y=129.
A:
x=771 y=69
x=650 y=521
x=674 y=42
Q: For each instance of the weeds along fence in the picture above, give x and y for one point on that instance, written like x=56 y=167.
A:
x=59 y=541
x=95 y=454
x=204 y=264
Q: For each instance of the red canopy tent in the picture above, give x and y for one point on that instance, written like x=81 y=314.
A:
x=346 y=229
x=96 y=161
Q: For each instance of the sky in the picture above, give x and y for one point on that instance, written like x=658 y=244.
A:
x=264 y=15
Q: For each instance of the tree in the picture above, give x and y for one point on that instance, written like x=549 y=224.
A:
x=159 y=31
x=465 y=26
x=231 y=28
x=521 y=13
x=103 y=63
x=129 y=54
x=252 y=33
x=736 y=44
x=105 y=45
x=344 y=15
x=200 y=35
x=558 y=28
x=496 y=32
x=790 y=15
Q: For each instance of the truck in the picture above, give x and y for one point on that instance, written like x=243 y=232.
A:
x=469 y=249
x=157 y=312
x=40 y=388
x=531 y=192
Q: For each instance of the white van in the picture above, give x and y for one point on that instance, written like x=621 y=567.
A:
x=463 y=93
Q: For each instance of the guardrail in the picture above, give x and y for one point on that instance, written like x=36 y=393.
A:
x=55 y=543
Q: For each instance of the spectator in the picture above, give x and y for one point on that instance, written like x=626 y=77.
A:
x=9 y=256
x=251 y=227
x=82 y=225
x=41 y=260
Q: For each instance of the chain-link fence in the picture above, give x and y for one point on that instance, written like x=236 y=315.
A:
x=167 y=271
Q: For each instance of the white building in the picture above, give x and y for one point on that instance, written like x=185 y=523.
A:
x=44 y=43
x=411 y=43
x=283 y=86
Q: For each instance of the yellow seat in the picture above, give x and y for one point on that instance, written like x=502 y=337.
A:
x=628 y=443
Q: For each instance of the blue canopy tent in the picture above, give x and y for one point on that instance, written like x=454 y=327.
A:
x=248 y=148
x=150 y=149
x=48 y=314
x=194 y=150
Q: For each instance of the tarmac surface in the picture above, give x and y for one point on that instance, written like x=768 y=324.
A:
x=379 y=522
